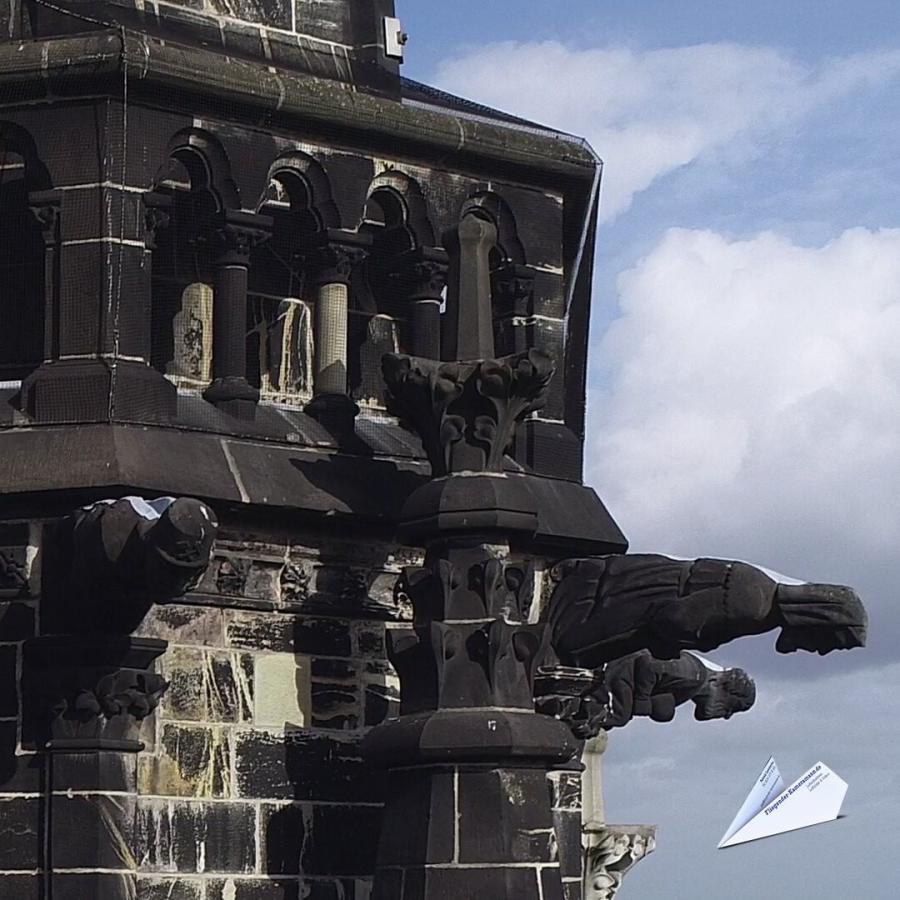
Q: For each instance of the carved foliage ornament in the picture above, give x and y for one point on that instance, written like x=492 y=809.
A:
x=474 y=403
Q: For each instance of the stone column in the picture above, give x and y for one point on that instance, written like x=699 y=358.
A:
x=469 y=327
x=512 y=290
x=469 y=808
x=234 y=240
x=330 y=262
x=44 y=206
x=85 y=700
x=420 y=277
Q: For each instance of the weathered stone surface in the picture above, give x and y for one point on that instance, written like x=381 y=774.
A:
x=501 y=819
x=16 y=621
x=344 y=840
x=191 y=761
x=22 y=887
x=182 y=624
x=196 y=837
x=15 y=565
x=382 y=701
x=93 y=831
x=93 y=771
x=20 y=837
x=283 y=690
x=565 y=790
x=207 y=685
x=170 y=889
x=9 y=694
x=18 y=773
x=429 y=802
x=303 y=765
x=289 y=634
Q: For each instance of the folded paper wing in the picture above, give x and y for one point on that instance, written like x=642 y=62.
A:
x=765 y=788
x=815 y=797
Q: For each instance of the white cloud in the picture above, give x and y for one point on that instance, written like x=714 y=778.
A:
x=751 y=399
x=648 y=113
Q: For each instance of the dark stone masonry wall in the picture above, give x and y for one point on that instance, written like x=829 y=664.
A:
x=252 y=783
x=165 y=169
x=276 y=667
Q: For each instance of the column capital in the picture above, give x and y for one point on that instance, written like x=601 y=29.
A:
x=236 y=234
x=512 y=289
x=332 y=254
x=45 y=206
x=157 y=215
x=421 y=274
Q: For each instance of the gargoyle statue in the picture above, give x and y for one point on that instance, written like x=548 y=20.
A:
x=607 y=607
x=118 y=557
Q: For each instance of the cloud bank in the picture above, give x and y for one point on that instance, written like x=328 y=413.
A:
x=648 y=113
x=751 y=397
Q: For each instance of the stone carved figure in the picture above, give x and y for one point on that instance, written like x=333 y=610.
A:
x=121 y=556
x=614 y=850
x=608 y=607
x=640 y=685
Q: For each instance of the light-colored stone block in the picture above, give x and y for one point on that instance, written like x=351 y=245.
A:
x=282 y=691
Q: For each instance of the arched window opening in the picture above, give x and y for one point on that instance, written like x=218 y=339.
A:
x=379 y=313
x=22 y=275
x=182 y=293
x=280 y=339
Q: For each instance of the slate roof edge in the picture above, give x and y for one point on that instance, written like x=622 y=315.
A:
x=268 y=92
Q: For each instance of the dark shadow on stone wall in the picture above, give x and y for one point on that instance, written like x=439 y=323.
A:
x=323 y=844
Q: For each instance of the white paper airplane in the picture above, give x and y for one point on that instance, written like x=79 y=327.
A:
x=815 y=797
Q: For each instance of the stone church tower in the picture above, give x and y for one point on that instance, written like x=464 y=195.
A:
x=218 y=216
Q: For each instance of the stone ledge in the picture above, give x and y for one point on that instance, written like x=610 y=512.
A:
x=116 y=460
x=64 y=66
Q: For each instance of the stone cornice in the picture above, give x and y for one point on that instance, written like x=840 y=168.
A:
x=53 y=67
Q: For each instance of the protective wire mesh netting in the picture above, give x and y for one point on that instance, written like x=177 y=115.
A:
x=118 y=233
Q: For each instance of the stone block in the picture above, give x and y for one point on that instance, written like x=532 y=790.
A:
x=15 y=561
x=191 y=761
x=285 y=832
x=94 y=771
x=428 y=799
x=294 y=583
x=170 y=889
x=369 y=639
x=18 y=773
x=289 y=634
x=344 y=840
x=255 y=889
x=335 y=697
x=92 y=831
x=208 y=686
x=565 y=790
x=16 y=621
x=183 y=624
x=22 y=887
x=504 y=815
x=451 y=884
x=283 y=690
x=96 y=885
x=196 y=837
x=20 y=835
x=9 y=690
x=304 y=765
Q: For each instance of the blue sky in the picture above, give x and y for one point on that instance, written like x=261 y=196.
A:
x=744 y=395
